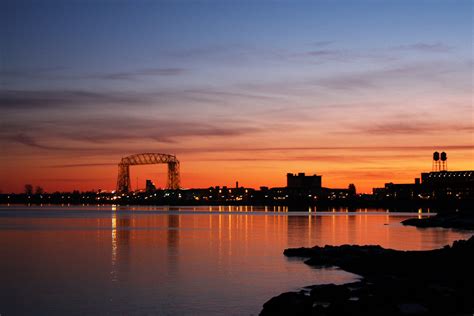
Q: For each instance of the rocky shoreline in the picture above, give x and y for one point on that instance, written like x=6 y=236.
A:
x=434 y=282
x=458 y=220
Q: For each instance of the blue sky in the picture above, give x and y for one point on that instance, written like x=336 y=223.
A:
x=213 y=37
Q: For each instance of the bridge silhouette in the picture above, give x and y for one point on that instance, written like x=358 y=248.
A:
x=123 y=178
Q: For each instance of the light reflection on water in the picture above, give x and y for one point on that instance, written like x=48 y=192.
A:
x=195 y=260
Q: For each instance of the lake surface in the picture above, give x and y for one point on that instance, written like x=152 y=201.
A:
x=180 y=261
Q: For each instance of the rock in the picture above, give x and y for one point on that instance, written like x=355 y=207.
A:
x=459 y=220
x=435 y=282
x=289 y=303
x=330 y=293
x=412 y=309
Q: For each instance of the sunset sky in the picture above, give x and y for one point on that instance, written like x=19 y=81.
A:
x=358 y=91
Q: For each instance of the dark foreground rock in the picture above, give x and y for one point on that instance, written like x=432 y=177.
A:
x=460 y=220
x=435 y=282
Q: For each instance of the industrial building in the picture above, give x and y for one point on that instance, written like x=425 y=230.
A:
x=445 y=184
x=439 y=184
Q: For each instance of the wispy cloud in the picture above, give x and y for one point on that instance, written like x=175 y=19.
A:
x=295 y=157
x=137 y=74
x=342 y=148
x=322 y=54
x=27 y=140
x=35 y=99
x=100 y=135
x=437 y=47
x=331 y=55
x=71 y=180
x=160 y=130
x=346 y=82
x=224 y=93
x=322 y=43
x=39 y=72
x=79 y=165
x=430 y=72
x=16 y=100
x=59 y=73
x=90 y=135
x=413 y=127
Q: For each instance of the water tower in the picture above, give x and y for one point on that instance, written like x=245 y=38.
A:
x=444 y=162
x=436 y=162
x=440 y=161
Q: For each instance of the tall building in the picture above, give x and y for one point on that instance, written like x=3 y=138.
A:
x=302 y=181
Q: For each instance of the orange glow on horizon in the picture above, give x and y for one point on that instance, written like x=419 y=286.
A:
x=339 y=169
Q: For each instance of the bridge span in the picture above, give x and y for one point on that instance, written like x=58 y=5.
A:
x=123 y=178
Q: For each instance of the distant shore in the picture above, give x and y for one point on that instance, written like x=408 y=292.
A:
x=247 y=197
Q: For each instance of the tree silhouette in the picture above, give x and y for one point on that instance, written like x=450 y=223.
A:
x=39 y=190
x=28 y=189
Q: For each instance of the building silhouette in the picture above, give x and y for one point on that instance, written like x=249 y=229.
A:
x=436 y=185
x=302 y=181
x=150 y=186
x=446 y=184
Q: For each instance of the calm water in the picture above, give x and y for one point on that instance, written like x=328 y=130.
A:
x=187 y=261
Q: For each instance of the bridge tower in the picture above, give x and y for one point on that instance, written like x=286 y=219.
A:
x=123 y=178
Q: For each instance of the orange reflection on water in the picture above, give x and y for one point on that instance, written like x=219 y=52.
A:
x=176 y=258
